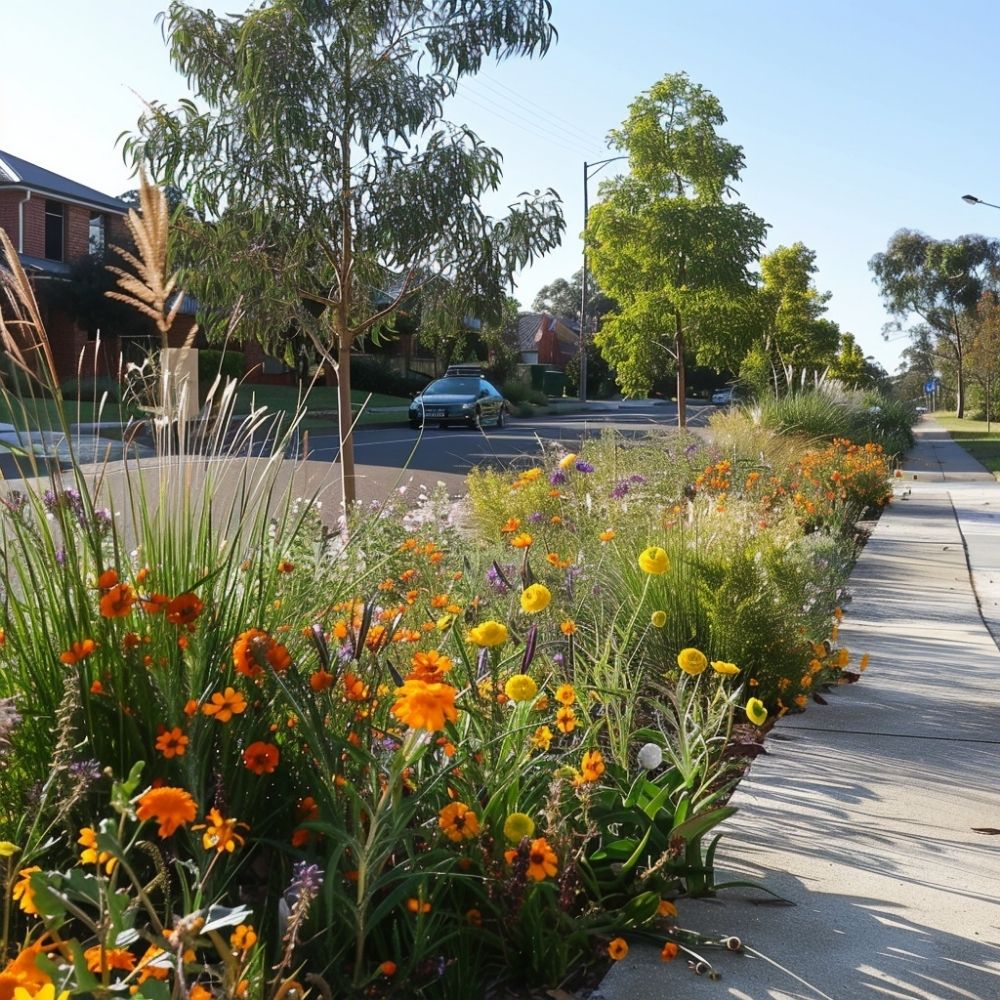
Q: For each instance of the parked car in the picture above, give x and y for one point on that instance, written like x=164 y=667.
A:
x=724 y=396
x=458 y=398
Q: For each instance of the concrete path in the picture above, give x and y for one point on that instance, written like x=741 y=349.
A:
x=862 y=813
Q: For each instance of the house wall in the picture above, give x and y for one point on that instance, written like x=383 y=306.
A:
x=8 y=213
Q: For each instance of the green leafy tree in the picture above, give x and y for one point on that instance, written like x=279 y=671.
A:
x=317 y=161
x=941 y=283
x=562 y=298
x=668 y=246
x=795 y=331
x=853 y=368
x=984 y=351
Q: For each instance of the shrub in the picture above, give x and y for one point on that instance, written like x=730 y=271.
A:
x=229 y=364
x=374 y=374
x=91 y=389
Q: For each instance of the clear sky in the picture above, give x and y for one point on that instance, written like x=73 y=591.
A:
x=857 y=117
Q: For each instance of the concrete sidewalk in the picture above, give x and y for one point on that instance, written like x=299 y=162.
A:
x=862 y=813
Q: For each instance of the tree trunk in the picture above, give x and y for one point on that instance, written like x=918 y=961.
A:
x=960 y=391
x=681 y=374
x=345 y=416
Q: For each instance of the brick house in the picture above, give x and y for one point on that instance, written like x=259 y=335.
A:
x=53 y=222
x=547 y=340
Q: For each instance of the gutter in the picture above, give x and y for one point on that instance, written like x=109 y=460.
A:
x=20 y=218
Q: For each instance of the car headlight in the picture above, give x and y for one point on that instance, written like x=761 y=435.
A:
x=468 y=406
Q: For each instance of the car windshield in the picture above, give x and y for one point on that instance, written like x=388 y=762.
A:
x=453 y=387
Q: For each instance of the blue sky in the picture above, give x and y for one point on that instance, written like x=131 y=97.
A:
x=856 y=118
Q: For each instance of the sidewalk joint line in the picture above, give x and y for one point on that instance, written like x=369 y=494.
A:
x=898 y=736
x=968 y=567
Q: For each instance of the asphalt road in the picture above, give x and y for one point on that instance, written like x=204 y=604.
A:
x=389 y=458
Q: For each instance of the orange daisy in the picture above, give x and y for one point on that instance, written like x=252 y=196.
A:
x=170 y=807
x=225 y=705
x=261 y=758
x=172 y=742
x=184 y=609
x=118 y=601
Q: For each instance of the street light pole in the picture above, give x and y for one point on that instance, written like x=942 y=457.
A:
x=589 y=169
x=971 y=199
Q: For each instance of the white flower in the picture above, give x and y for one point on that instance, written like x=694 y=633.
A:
x=650 y=756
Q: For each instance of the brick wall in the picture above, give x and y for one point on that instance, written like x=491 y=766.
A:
x=8 y=213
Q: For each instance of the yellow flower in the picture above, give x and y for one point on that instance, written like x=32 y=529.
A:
x=520 y=688
x=46 y=992
x=565 y=719
x=542 y=738
x=756 y=712
x=565 y=694
x=90 y=855
x=542 y=860
x=535 y=598
x=606 y=536
x=458 y=822
x=7 y=849
x=567 y=460
x=522 y=541
x=658 y=619
x=425 y=706
x=488 y=634
x=726 y=669
x=692 y=661
x=567 y=626
x=23 y=892
x=654 y=560
x=592 y=766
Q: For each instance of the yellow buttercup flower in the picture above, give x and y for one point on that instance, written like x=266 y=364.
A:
x=654 y=560
x=756 y=712
x=692 y=661
x=535 y=598
x=726 y=669
x=7 y=849
x=488 y=634
x=520 y=688
x=658 y=619
x=567 y=460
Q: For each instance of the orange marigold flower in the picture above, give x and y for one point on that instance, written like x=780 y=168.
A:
x=666 y=909
x=430 y=666
x=225 y=705
x=172 y=742
x=617 y=949
x=78 y=651
x=592 y=765
x=522 y=541
x=669 y=951
x=155 y=963
x=567 y=626
x=107 y=579
x=199 y=992
x=255 y=644
x=417 y=906
x=354 y=688
x=565 y=719
x=606 y=536
x=118 y=601
x=542 y=861
x=101 y=960
x=425 y=706
x=565 y=694
x=511 y=525
x=155 y=603
x=458 y=822
x=261 y=758
x=221 y=833
x=184 y=609
x=321 y=679
x=170 y=807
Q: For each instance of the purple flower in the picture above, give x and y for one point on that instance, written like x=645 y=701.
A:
x=9 y=718
x=621 y=490
x=496 y=577
x=558 y=659
x=690 y=450
x=582 y=466
x=536 y=517
x=85 y=772
x=637 y=479
x=557 y=478
x=61 y=556
x=306 y=881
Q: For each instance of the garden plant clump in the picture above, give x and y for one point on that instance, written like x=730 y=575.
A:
x=244 y=754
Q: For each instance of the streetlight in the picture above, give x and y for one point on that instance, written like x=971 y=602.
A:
x=589 y=170
x=971 y=199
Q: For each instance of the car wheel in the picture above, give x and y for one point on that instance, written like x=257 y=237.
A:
x=502 y=416
x=414 y=425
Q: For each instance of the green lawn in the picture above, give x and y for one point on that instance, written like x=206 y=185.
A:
x=42 y=414
x=973 y=437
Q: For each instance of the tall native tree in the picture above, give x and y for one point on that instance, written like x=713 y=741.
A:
x=796 y=333
x=667 y=244
x=941 y=282
x=321 y=169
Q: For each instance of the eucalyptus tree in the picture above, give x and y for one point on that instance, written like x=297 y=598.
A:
x=669 y=245
x=940 y=282
x=326 y=184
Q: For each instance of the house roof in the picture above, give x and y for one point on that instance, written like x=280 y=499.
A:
x=531 y=325
x=22 y=173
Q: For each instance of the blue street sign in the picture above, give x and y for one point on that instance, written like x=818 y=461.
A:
x=931 y=385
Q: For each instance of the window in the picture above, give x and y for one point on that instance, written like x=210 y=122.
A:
x=54 y=221
x=95 y=237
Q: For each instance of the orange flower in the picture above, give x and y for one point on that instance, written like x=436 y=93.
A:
x=417 y=906
x=252 y=646
x=606 y=536
x=118 y=601
x=190 y=707
x=23 y=892
x=285 y=566
x=155 y=603
x=458 y=822
x=243 y=938
x=541 y=860
x=170 y=807
x=78 y=651
x=617 y=949
x=107 y=580
x=261 y=758
x=425 y=706
x=321 y=680
x=354 y=688
x=184 y=609
x=172 y=742
x=154 y=964
x=511 y=525
x=429 y=666
x=666 y=909
x=100 y=959
x=224 y=706
x=522 y=541
x=592 y=765
x=565 y=719
x=387 y=968
x=567 y=626
x=90 y=855
x=221 y=833
x=669 y=951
